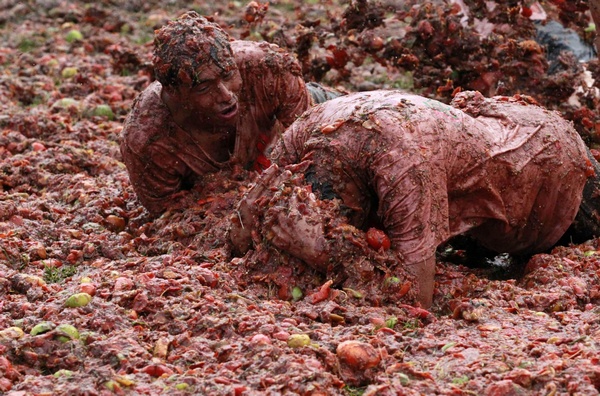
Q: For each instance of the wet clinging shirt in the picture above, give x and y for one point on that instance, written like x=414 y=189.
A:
x=508 y=172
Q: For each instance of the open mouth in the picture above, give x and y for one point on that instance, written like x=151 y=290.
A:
x=230 y=111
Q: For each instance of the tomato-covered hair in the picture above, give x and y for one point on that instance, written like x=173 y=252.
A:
x=183 y=46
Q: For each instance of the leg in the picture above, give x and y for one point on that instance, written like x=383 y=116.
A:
x=321 y=94
x=587 y=221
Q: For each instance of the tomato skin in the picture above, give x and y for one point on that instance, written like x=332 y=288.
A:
x=157 y=370
x=358 y=355
x=377 y=239
x=88 y=288
x=322 y=294
x=526 y=12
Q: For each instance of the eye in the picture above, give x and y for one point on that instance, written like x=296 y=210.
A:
x=202 y=88
x=229 y=75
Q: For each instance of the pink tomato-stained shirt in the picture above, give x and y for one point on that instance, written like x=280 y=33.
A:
x=163 y=159
x=506 y=171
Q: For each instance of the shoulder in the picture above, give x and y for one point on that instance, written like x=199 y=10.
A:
x=148 y=121
x=258 y=55
x=147 y=104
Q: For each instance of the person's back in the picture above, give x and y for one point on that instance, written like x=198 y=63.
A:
x=538 y=166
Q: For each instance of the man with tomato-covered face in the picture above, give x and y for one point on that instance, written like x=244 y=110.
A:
x=216 y=103
x=503 y=170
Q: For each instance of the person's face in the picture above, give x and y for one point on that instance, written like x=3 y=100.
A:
x=213 y=99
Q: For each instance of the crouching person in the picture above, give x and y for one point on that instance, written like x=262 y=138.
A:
x=505 y=171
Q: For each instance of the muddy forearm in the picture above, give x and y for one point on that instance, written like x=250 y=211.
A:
x=424 y=273
x=155 y=188
x=319 y=235
x=295 y=222
x=282 y=211
x=294 y=98
x=292 y=219
x=157 y=184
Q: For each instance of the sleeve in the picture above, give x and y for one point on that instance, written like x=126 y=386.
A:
x=155 y=171
x=275 y=93
x=156 y=176
x=293 y=97
x=410 y=183
x=276 y=79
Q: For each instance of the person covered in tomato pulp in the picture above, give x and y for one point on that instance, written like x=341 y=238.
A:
x=507 y=172
x=217 y=103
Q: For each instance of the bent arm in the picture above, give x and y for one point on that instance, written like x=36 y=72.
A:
x=155 y=172
x=156 y=179
x=293 y=96
x=298 y=227
x=314 y=231
x=410 y=182
x=286 y=85
x=288 y=216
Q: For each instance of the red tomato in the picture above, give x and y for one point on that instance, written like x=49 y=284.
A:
x=88 y=288
x=377 y=239
x=157 y=370
x=358 y=355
